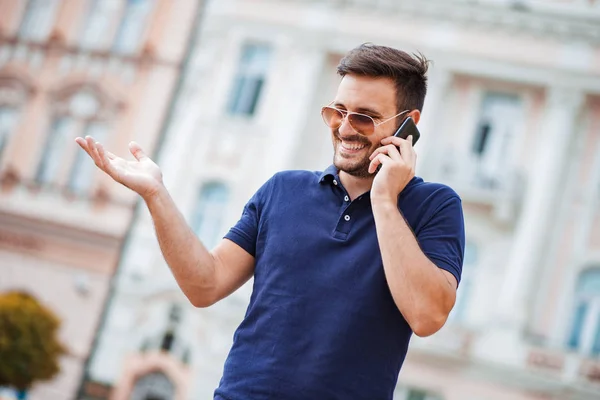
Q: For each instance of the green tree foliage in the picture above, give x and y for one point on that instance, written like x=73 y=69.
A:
x=29 y=348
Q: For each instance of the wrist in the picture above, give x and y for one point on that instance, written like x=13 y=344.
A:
x=155 y=196
x=384 y=201
x=384 y=204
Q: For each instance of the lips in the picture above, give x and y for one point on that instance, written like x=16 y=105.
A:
x=352 y=147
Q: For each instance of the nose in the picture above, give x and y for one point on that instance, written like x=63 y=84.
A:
x=346 y=129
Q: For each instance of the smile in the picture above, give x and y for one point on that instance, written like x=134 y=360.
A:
x=352 y=147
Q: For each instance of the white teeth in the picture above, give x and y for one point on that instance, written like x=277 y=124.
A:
x=353 y=146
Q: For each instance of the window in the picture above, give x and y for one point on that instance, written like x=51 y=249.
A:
x=405 y=393
x=466 y=282
x=79 y=113
x=13 y=96
x=585 y=327
x=133 y=25
x=153 y=386
x=175 y=314
x=80 y=177
x=8 y=119
x=10 y=393
x=167 y=341
x=499 y=117
x=209 y=211
x=98 y=27
x=249 y=80
x=59 y=138
x=38 y=19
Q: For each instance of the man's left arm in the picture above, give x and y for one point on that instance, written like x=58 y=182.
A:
x=424 y=290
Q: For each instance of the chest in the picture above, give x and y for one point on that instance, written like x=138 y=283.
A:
x=316 y=248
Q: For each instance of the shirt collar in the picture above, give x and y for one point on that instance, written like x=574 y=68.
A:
x=329 y=174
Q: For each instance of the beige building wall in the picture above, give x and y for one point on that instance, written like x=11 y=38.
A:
x=528 y=71
x=70 y=68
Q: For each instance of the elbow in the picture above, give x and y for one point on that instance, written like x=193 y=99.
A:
x=428 y=325
x=431 y=319
x=200 y=301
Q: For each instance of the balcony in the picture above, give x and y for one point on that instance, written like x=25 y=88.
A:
x=31 y=213
x=568 y=368
x=499 y=190
x=73 y=59
x=541 y=369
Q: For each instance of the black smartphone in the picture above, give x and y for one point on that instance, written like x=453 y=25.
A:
x=408 y=128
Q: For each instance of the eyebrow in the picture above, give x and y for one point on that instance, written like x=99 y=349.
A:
x=363 y=110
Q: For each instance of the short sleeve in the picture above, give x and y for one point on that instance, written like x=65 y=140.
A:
x=245 y=232
x=442 y=238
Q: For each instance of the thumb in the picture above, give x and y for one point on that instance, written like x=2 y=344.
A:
x=137 y=151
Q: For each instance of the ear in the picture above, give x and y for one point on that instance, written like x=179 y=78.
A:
x=415 y=115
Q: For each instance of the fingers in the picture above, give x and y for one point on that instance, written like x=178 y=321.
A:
x=407 y=151
x=106 y=165
x=137 y=151
x=92 y=151
x=390 y=150
x=83 y=144
x=91 y=147
x=379 y=159
x=394 y=150
x=97 y=153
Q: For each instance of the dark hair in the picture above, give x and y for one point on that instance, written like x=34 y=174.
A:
x=408 y=72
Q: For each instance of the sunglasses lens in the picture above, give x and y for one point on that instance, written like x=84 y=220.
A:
x=362 y=124
x=332 y=117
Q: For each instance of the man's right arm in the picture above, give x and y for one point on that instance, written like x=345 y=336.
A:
x=204 y=276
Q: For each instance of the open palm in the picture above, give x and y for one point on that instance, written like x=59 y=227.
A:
x=142 y=175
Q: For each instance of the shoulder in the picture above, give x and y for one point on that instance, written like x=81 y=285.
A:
x=294 y=178
x=283 y=184
x=431 y=193
x=423 y=203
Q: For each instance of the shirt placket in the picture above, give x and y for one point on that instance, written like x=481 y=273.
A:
x=347 y=209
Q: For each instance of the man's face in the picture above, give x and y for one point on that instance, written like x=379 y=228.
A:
x=375 y=97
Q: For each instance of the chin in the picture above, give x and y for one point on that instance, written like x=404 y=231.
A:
x=358 y=169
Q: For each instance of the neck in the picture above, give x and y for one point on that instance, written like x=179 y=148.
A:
x=355 y=186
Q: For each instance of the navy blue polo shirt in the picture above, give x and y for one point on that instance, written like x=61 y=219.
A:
x=321 y=322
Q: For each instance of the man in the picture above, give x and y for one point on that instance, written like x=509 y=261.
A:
x=347 y=263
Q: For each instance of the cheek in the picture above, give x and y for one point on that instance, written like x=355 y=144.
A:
x=378 y=137
x=335 y=136
x=374 y=143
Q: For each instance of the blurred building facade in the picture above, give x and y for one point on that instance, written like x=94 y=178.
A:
x=511 y=121
x=68 y=68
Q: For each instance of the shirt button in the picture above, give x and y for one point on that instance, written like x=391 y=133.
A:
x=347 y=217
x=346 y=198
x=335 y=182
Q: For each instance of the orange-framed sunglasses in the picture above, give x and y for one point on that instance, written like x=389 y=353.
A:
x=361 y=123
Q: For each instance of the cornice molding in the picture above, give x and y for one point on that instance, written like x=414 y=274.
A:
x=563 y=22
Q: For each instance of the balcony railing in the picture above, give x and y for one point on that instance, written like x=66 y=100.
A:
x=566 y=366
x=568 y=371
x=501 y=190
x=70 y=59
x=96 y=212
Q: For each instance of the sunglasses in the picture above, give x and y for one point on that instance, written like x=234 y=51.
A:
x=361 y=123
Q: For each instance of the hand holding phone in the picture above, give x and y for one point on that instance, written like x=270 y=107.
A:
x=405 y=130
x=408 y=128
